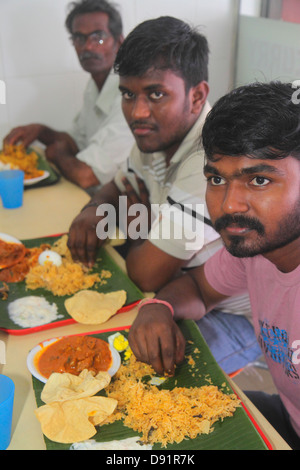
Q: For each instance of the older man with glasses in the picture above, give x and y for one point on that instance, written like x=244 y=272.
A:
x=99 y=142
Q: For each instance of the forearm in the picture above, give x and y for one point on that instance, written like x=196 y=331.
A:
x=185 y=297
x=76 y=171
x=149 y=267
x=48 y=136
x=108 y=194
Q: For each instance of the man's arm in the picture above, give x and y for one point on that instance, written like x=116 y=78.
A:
x=31 y=132
x=63 y=156
x=61 y=150
x=155 y=337
x=83 y=241
x=151 y=268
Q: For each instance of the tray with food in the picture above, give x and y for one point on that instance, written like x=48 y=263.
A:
x=37 y=171
x=88 y=408
x=41 y=287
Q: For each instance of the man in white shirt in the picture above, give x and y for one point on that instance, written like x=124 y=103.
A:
x=99 y=142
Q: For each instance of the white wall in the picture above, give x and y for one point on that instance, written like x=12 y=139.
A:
x=267 y=50
x=44 y=82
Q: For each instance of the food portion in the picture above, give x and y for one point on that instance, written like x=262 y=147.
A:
x=131 y=443
x=62 y=387
x=162 y=415
x=11 y=253
x=16 y=260
x=63 y=277
x=91 y=307
x=74 y=354
x=17 y=157
x=32 y=311
x=49 y=256
x=72 y=411
x=50 y=267
x=166 y=416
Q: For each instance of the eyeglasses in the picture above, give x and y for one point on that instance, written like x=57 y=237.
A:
x=97 y=37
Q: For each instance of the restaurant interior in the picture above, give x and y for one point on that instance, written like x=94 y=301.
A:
x=41 y=81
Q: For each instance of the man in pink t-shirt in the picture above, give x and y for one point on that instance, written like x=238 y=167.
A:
x=252 y=144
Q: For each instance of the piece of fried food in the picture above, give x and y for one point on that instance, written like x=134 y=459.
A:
x=74 y=420
x=62 y=387
x=91 y=307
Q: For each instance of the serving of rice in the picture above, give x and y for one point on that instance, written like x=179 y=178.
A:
x=17 y=157
x=166 y=416
x=66 y=279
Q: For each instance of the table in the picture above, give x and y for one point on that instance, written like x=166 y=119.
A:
x=46 y=211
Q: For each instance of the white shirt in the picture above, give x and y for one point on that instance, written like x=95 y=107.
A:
x=100 y=130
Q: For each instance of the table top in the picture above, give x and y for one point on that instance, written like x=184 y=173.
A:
x=47 y=211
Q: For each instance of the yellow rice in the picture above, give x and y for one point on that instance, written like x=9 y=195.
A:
x=16 y=156
x=166 y=416
x=66 y=279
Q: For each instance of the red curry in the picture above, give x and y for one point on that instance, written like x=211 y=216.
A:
x=73 y=355
x=11 y=253
x=16 y=260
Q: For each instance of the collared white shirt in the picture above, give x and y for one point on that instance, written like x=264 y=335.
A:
x=101 y=131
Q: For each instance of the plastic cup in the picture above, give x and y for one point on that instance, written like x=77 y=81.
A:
x=12 y=188
x=7 y=391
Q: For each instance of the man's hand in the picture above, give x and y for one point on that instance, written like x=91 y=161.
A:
x=156 y=339
x=23 y=134
x=83 y=241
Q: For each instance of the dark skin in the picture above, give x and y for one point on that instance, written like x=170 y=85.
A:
x=61 y=149
x=151 y=105
x=240 y=186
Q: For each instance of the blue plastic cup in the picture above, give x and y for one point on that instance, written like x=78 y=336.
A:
x=7 y=392
x=12 y=188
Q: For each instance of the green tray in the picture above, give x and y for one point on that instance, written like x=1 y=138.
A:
x=118 y=281
x=235 y=433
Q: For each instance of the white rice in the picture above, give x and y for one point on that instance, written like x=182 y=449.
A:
x=32 y=311
x=131 y=443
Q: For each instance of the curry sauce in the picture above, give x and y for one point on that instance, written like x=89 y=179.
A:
x=73 y=355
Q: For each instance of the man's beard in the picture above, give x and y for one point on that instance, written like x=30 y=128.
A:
x=242 y=247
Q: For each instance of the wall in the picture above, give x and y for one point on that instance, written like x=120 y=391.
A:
x=44 y=82
x=267 y=50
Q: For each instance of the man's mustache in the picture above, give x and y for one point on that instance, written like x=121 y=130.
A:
x=89 y=55
x=239 y=221
x=142 y=124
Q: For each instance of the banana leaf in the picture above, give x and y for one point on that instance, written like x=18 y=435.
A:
x=233 y=433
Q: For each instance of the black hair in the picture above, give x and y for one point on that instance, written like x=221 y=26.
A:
x=164 y=43
x=260 y=120
x=91 y=6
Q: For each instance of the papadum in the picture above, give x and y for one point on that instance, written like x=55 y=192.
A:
x=91 y=307
x=62 y=387
x=74 y=420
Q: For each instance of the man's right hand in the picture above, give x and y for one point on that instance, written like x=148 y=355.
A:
x=83 y=241
x=156 y=339
x=23 y=134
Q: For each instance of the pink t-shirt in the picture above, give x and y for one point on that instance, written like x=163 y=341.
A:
x=275 y=303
